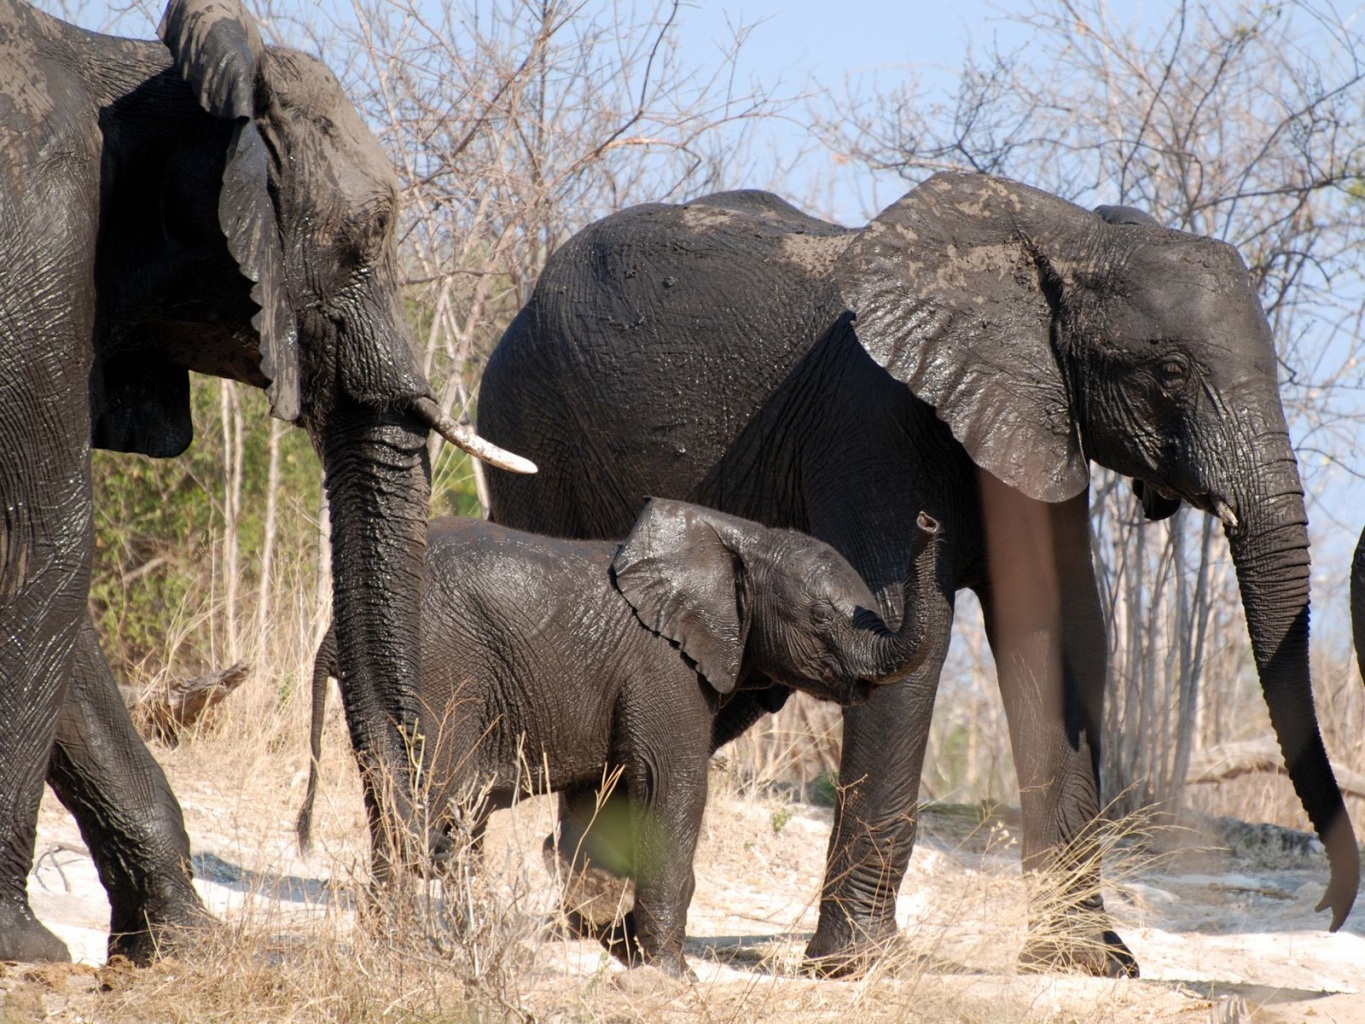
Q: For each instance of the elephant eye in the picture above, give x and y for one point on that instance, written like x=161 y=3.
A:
x=822 y=612
x=1173 y=371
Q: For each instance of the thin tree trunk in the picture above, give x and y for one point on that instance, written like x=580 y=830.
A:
x=1192 y=663
x=230 y=411
x=268 y=532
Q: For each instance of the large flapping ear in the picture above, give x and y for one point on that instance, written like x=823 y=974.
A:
x=955 y=296
x=217 y=49
x=679 y=575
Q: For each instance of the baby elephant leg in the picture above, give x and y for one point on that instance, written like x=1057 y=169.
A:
x=666 y=819
x=592 y=854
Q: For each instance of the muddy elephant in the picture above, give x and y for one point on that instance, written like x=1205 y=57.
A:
x=969 y=353
x=549 y=665
x=210 y=204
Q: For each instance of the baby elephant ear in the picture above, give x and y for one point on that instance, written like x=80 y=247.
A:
x=680 y=576
x=217 y=49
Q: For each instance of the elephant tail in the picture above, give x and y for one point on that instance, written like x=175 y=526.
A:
x=324 y=668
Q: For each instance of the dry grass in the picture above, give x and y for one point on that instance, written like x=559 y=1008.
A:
x=292 y=947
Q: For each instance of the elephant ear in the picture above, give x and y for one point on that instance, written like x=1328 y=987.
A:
x=680 y=575
x=217 y=50
x=140 y=404
x=952 y=296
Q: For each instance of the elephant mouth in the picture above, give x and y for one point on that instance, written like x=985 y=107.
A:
x=1159 y=500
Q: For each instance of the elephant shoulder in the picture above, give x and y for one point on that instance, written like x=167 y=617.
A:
x=47 y=116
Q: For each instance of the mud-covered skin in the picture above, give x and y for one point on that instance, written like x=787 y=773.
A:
x=735 y=352
x=550 y=665
x=205 y=204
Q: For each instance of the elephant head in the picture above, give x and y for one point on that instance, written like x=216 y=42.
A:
x=1046 y=336
x=248 y=231
x=739 y=599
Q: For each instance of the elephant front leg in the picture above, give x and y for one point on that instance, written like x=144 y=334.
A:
x=131 y=822
x=667 y=803
x=1046 y=630
x=874 y=821
x=44 y=578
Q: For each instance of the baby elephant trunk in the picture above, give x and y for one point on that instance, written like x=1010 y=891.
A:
x=887 y=656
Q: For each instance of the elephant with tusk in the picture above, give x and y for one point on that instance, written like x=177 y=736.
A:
x=203 y=203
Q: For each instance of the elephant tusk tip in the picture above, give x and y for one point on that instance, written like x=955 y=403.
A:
x=466 y=439
x=1225 y=513
x=518 y=464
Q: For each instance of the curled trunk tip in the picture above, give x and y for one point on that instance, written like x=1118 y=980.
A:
x=895 y=655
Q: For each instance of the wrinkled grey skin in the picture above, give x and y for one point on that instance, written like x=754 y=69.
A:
x=548 y=664
x=206 y=204
x=967 y=353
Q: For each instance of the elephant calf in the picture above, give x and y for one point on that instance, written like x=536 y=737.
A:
x=547 y=664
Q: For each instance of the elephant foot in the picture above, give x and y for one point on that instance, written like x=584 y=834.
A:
x=622 y=939
x=847 y=948
x=24 y=938
x=153 y=932
x=1078 y=947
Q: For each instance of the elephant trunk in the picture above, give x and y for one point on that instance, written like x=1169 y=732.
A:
x=884 y=656
x=1358 y=602
x=1270 y=552
x=378 y=489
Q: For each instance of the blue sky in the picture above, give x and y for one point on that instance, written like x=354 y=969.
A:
x=806 y=41
x=799 y=39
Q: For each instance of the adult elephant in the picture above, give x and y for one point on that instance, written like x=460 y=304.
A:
x=967 y=353
x=209 y=204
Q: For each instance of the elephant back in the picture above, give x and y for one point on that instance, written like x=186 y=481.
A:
x=668 y=326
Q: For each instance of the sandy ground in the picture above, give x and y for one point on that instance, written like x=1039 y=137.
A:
x=1220 y=936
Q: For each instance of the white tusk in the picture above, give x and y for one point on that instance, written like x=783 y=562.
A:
x=465 y=438
x=1224 y=512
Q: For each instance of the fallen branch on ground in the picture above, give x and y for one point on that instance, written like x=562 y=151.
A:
x=1231 y=760
x=167 y=712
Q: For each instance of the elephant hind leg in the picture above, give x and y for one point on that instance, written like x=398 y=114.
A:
x=103 y=773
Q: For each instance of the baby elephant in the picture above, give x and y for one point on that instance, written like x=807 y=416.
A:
x=548 y=664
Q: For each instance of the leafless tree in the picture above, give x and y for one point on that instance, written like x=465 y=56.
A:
x=513 y=125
